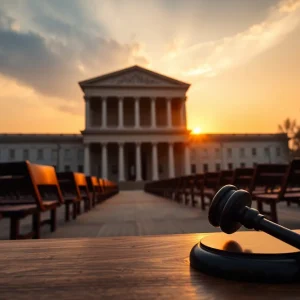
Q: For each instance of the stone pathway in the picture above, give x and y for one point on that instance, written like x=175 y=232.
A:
x=132 y=213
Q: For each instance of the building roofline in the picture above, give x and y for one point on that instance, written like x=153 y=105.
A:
x=39 y=138
x=238 y=137
x=87 y=82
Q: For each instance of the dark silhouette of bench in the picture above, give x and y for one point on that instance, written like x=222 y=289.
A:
x=96 y=192
x=28 y=189
x=282 y=183
x=75 y=190
x=242 y=178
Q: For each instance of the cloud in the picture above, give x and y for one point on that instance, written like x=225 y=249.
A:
x=50 y=45
x=289 y=5
x=71 y=109
x=211 y=58
x=55 y=54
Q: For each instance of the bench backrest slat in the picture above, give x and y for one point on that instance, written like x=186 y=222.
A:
x=268 y=176
x=291 y=182
x=30 y=183
x=242 y=177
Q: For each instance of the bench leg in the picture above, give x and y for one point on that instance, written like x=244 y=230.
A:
x=273 y=212
x=74 y=211
x=202 y=203
x=193 y=199
x=78 y=208
x=259 y=206
x=14 y=228
x=67 y=212
x=53 y=219
x=36 y=225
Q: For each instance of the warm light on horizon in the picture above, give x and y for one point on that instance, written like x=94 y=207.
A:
x=196 y=130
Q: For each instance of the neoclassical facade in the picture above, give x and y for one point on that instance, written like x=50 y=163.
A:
x=135 y=131
x=135 y=126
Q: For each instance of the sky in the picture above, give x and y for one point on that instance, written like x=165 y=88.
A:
x=240 y=56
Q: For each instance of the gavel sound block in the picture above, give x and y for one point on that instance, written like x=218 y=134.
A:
x=247 y=256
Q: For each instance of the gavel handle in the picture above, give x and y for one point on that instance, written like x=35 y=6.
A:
x=280 y=232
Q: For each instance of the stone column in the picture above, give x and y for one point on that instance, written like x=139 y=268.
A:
x=169 y=112
x=121 y=162
x=104 y=112
x=153 y=112
x=104 y=160
x=138 y=162
x=87 y=111
x=154 y=162
x=120 y=113
x=187 y=160
x=87 y=163
x=183 y=113
x=171 y=161
x=136 y=112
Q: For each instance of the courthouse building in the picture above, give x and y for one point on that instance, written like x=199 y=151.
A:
x=135 y=131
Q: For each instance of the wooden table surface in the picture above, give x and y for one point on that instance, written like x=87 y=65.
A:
x=148 y=267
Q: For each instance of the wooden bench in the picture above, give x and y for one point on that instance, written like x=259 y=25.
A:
x=210 y=185
x=94 y=189
x=189 y=188
x=284 y=186
x=109 y=188
x=198 y=189
x=242 y=178
x=179 y=189
x=28 y=189
x=74 y=189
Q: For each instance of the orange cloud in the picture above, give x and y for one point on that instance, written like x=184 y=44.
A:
x=210 y=58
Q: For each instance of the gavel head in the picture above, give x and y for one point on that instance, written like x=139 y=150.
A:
x=226 y=208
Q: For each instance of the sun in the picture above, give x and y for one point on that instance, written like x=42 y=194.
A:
x=196 y=130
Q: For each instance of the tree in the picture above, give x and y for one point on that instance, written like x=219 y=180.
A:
x=289 y=127
x=293 y=132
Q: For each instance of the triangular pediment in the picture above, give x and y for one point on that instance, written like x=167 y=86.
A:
x=134 y=77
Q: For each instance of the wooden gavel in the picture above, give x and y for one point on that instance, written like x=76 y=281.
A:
x=231 y=208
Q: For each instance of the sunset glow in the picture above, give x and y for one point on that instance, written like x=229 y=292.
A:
x=243 y=65
x=196 y=130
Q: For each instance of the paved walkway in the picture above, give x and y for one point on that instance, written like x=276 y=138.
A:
x=137 y=213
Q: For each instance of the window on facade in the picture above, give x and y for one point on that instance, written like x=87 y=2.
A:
x=218 y=167
x=194 y=168
x=217 y=152
x=25 y=154
x=205 y=167
x=54 y=154
x=278 y=151
x=267 y=151
x=205 y=152
x=80 y=168
x=229 y=152
x=254 y=152
x=242 y=152
x=40 y=154
x=80 y=155
x=67 y=154
x=230 y=166
x=67 y=168
x=12 y=153
x=243 y=165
